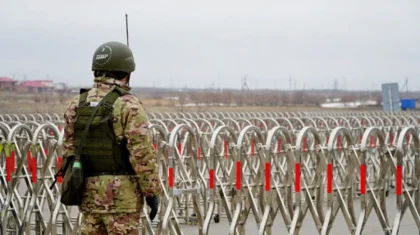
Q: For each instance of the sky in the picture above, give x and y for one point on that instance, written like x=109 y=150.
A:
x=194 y=44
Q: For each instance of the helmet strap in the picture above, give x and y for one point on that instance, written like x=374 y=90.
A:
x=128 y=79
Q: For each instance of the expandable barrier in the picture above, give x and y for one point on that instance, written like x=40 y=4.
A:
x=241 y=167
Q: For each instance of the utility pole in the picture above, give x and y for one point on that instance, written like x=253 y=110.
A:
x=244 y=84
x=405 y=86
x=335 y=84
x=345 y=83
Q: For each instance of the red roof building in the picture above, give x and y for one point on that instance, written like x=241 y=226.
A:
x=7 y=84
x=35 y=86
x=32 y=86
x=6 y=79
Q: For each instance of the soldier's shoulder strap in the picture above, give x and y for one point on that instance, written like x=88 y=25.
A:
x=115 y=94
x=83 y=96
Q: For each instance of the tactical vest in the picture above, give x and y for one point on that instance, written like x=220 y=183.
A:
x=101 y=154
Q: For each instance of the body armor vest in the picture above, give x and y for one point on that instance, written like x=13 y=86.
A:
x=101 y=154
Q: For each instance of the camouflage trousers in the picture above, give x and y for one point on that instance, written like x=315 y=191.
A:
x=114 y=224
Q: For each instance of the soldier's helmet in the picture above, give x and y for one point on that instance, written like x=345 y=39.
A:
x=113 y=56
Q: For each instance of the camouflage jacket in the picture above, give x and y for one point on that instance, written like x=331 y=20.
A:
x=114 y=194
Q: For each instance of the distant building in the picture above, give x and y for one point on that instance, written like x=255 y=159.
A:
x=32 y=86
x=35 y=86
x=60 y=87
x=7 y=84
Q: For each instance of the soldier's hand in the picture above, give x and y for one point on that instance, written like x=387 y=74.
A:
x=153 y=203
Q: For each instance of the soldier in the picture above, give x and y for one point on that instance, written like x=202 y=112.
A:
x=118 y=159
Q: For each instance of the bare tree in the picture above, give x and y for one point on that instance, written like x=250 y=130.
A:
x=182 y=98
x=226 y=97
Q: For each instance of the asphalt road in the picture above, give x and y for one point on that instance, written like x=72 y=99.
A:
x=373 y=227
x=339 y=227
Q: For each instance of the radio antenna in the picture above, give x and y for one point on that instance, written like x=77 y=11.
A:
x=126 y=28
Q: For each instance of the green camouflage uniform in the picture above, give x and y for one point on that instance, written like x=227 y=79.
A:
x=113 y=203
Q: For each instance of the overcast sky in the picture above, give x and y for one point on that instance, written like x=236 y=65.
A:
x=194 y=43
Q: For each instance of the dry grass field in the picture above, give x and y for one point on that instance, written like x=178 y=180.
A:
x=167 y=100
x=57 y=104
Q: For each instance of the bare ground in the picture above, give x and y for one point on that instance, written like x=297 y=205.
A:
x=24 y=106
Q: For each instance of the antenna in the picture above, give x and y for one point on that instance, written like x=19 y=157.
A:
x=126 y=28
x=405 y=85
x=244 y=84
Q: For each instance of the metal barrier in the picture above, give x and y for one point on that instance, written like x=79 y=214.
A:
x=240 y=168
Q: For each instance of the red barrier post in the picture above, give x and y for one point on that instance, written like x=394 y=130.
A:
x=60 y=178
x=238 y=175
x=362 y=179
x=297 y=177
x=329 y=182
x=211 y=178
x=267 y=176
x=398 y=179
x=171 y=177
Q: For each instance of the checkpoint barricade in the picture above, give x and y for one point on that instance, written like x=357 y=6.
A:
x=6 y=164
x=232 y=123
x=324 y=127
x=406 y=169
x=45 y=161
x=215 y=122
x=159 y=137
x=309 y=183
x=373 y=167
x=16 y=151
x=260 y=123
x=221 y=161
x=271 y=123
x=242 y=168
x=204 y=131
x=341 y=165
x=277 y=169
x=184 y=181
x=243 y=122
x=249 y=179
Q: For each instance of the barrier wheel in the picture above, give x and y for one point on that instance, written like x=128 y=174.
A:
x=216 y=218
